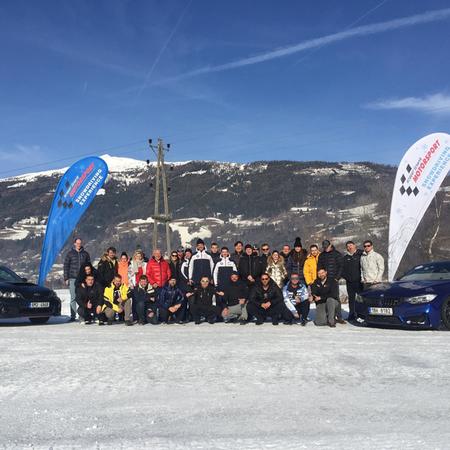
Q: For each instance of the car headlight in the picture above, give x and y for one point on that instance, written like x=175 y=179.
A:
x=420 y=299
x=10 y=294
x=359 y=299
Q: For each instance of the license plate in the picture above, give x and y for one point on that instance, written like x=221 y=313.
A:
x=381 y=311
x=39 y=304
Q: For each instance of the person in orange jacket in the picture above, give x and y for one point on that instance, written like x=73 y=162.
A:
x=158 y=270
x=123 y=268
x=310 y=267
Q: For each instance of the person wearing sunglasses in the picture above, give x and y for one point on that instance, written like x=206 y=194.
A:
x=175 y=266
x=372 y=266
x=203 y=302
x=265 y=253
x=266 y=300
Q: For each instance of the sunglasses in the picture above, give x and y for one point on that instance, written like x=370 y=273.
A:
x=175 y=255
x=367 y=245
x=264 y=279
x=265 y=249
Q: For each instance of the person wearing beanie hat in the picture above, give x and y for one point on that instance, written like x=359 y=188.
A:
x=250 y=266
x=200 y=265
x=298 y=243
x=234 y=300
x=297 y=259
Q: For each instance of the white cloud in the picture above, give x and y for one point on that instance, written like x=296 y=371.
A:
x=432 y=104
x=364 y=30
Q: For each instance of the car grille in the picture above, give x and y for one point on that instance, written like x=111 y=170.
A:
x=391 y=320
x=383 y=302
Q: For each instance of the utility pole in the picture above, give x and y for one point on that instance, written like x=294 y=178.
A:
x=161 y=176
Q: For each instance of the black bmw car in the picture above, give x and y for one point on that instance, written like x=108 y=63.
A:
x=19 y=298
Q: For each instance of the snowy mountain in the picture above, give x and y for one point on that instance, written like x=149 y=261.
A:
x=271 y=201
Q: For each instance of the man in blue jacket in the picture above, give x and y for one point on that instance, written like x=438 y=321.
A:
x=171 y=303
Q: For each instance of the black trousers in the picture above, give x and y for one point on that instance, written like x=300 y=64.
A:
x=142 y=309
x=165 y=314
x=275 y=312
x=209 y=312
x=86 y=313
x=303 y=309
x=353 y=288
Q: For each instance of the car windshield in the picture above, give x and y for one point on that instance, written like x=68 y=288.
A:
x=9 y=276
x=428 y=272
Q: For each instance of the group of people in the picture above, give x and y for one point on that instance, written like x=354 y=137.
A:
x=249 y=284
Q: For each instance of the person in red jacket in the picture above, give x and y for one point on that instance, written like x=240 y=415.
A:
x=158 y=270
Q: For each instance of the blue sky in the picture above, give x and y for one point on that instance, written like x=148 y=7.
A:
x=230 y=81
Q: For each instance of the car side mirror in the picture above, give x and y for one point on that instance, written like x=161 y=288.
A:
x=24 y=279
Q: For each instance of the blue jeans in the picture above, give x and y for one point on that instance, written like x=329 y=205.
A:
x=73 y=303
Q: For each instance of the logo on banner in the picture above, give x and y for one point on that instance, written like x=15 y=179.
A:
x=407 y=190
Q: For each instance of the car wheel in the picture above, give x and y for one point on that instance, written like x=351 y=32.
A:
x=39 y=320
x=445 y=313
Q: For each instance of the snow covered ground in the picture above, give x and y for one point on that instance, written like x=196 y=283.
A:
x=222 y=386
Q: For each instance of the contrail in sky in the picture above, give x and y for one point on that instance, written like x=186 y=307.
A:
x=364 y=30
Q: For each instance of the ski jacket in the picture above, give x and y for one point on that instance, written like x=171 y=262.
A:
x=290 y=293
x=73 y=262
x=107 y=270
x=250 y=265
x=170 y=296
x=295 y=262
x=140 y=294
x=372 y=267
x=233 y=292
x=135 y=271
x=277 y=271
x=332 y=262
x=200 y=265
x=329 y=289
x=93 y=293
x=158 y=272
x=222 y=272
x=310 y=269
x=259 y=295
x=351 y=266
x=113 y=297
x=204 y=296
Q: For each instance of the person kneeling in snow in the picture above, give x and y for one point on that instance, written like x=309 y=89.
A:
x=171 y=303
x=324 y=291
x=89 y=297
x=266 y=300
x=296 y=298
x=144 y=302
x=203 y=302
x=234 y=298
x=117 y=299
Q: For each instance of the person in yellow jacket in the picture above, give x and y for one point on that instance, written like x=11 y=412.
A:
x=310 y=266
x=117 y=299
